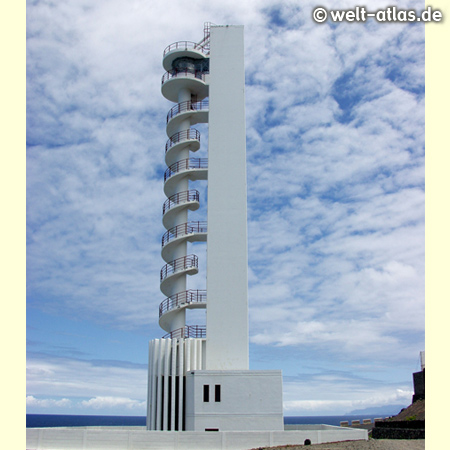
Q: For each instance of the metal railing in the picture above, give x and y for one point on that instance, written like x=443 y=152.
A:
x=179 y=264
x=189 y=331
x=185 y=135
x=183 y=229
x=184 y=73
x=185 y=164
x=181 y=197
x=185 y=45
x=206 y=34
x=185 y=297
x=187 y=106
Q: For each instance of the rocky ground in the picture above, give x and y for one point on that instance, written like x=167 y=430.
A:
x=416 y=411
x=371 y=444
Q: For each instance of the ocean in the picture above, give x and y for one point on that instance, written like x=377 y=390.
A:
x=60 y=420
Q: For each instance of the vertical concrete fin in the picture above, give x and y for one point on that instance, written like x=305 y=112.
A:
x=173 y=374
x=159 y=385
x=180 y=384
x=149 y=385
x=167 y=343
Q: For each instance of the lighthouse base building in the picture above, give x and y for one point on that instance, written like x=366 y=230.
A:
x=199 y=377
x=233 y=400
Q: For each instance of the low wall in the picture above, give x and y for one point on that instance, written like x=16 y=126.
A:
x=397 y=433
x=120 y=438
x=399 y=429
x=410 y=424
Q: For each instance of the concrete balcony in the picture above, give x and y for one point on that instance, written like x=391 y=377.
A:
x=189 y=231
x=183 y=49
x=196 y=112
x=176 y=203
x=196 y=81
x=190 y=299
x=178 y=141
x=186 y=265
x=194 y=168
x=189 y=331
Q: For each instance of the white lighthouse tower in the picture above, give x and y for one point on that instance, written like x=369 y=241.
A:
x=199 y=377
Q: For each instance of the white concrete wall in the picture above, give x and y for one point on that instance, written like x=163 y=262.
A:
x=249 y=400
x=227 y=309
x=115 y=438
x=169 y=359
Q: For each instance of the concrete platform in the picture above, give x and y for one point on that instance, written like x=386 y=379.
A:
x=138 y=438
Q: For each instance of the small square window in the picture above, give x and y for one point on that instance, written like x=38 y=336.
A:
x=206 y=392
x=217 y=392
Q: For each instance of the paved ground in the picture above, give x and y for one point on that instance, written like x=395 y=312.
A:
x=371 y=444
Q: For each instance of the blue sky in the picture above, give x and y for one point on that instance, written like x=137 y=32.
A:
x=335 y=154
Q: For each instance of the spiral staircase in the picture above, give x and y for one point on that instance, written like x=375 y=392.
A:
x=182 y=348
x=185 y=83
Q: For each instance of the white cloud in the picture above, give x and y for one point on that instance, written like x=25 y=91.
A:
x=33 y=402
x=341 y=392
x=103 y=404
x=114 y=402
x=325 y=407
x=65 y=377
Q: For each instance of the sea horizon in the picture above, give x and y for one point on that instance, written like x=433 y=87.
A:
x=82 y=420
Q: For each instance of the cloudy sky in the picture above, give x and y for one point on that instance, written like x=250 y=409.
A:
x=335 y=154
